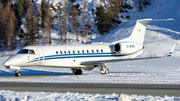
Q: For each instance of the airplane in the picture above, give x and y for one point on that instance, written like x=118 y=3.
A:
x=86 y=56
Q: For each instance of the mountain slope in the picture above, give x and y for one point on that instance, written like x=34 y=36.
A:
x=160 y=36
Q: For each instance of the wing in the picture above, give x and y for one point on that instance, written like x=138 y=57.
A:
x=115 y=60
x=130 y=59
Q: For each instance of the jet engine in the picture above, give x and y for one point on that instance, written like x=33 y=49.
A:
x=117 y=47
x=126 y=48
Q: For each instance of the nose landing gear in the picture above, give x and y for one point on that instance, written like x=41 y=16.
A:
x=17 y=74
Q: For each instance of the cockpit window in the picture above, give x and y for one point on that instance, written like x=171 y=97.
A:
x=31 y=52
x=26 y=51
x=23 y=51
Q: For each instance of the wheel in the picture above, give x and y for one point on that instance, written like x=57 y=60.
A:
x=78 y=72
x=103 y=72
x=17 y=74
x=106 y=71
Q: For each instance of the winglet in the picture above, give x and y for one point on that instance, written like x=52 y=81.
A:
x=170 y=53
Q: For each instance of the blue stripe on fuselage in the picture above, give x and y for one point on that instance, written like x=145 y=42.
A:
x=80 y=55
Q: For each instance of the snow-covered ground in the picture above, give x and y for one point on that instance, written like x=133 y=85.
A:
x=42 y=96
x=158 y=71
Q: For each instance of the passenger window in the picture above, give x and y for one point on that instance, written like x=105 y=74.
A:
x=73 y=52
x=69 y=52
x=92 y=51
x=97 y=51
x=78 y=51
x=87 y=51
x=56 y=52
x=64 y=52
x=101 y=51
x=60 y=52
x=82 y=51
x=31 y=52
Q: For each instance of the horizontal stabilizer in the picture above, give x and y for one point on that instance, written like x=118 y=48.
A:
x=145 y=20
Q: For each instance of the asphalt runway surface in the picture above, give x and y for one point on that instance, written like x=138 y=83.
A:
x=94 y=88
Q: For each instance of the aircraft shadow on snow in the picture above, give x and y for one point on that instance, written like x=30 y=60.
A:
x=30 y=72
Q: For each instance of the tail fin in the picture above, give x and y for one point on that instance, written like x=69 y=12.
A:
x=139 y=30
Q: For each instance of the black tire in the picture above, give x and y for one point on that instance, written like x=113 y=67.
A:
x=17 y=74
x=79 y=72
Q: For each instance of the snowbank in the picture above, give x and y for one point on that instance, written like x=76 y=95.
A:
x=42 y=96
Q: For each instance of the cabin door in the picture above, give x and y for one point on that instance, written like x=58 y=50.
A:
x=40 y=53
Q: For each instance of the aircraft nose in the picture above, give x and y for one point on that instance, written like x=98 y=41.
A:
x=13 y=61
x=10 y=61
x=7 y=63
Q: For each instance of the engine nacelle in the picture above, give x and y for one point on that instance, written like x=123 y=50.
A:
x=117 y=48
x=126 y=48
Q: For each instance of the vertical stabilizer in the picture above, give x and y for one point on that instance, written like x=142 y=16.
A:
x=139 y=30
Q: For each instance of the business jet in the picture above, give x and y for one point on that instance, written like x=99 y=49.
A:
x=87 y=56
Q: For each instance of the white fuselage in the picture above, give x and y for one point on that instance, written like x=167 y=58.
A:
x=71 y=56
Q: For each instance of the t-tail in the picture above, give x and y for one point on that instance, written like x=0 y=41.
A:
x=138 y=33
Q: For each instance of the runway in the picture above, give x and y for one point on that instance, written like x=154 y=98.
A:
x=94 y=88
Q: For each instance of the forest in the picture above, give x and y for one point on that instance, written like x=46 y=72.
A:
x=26 y=23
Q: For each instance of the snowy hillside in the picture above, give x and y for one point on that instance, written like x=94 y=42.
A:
x=160 y=36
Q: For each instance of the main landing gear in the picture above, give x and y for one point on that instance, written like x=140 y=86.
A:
x=17 y=74
x=103 y=69
x=76 y=71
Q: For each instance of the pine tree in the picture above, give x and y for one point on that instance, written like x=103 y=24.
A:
x=141 y=4
x=1 y=27
x=59 y=14
x=19 y=10
x=65 y=15
x=84 y=18
x=5 y=2
x=43 y=13
x=102 y=20
x=48 y=22
x=8 y=23
x=31 y=25
x=75 y=18
x=28 y=25
x=69 y=14
x=113 y=11
x=10 y=34
x=26 y=5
